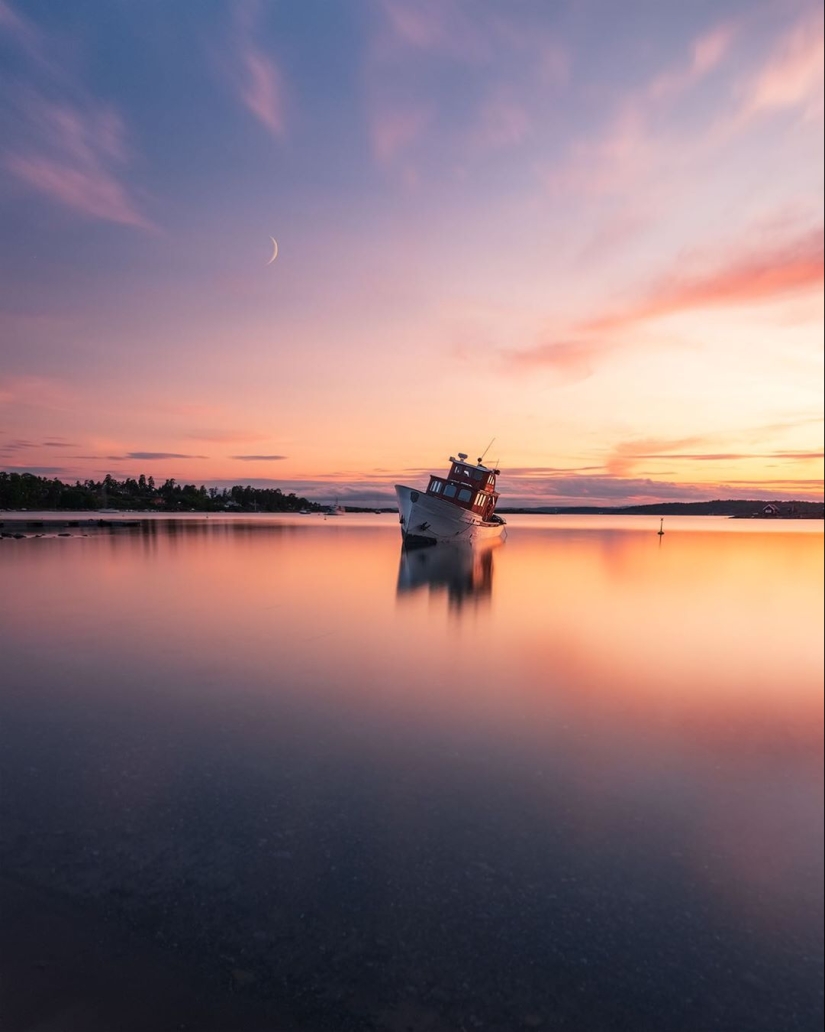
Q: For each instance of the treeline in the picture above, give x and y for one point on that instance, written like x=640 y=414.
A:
x=27 y=491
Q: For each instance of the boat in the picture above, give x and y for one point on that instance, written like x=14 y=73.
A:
x=334 y=510
x=458 y=507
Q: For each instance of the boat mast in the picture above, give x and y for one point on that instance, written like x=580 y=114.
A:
x=481 y=457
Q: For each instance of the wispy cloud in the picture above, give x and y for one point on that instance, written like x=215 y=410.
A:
x=39 y=471
x=415 y=40
x=17 y=444
x=8 y=447
x=570 y=360
x=748 y=278
x=551 y=488
x=577 y=489
x=72 y=149
x=760 y=273
x=87 y=188
x=393 y=130
x=256 y=75
x=605 y=163
x=626 y=456
x=548 y=486
x=707 y=53
x=20 y=29
x=615 y=158
x=477 y=34
x=793 y=75
x=152 y=456
x=259 y=458
x=437 y=26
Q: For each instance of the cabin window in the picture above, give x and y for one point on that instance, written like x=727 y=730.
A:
x=436 y=486
x=479 y=498
x=450 y=490
x=465 y=494
x=490 y=479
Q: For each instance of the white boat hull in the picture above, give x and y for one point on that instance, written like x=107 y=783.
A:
x=428 y=520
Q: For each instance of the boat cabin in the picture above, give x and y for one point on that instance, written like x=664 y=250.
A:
x=469 y=487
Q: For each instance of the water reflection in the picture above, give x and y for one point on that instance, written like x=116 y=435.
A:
x=249 y=743
x=463 y=572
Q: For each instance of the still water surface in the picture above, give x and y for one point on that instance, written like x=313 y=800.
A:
x=275 y=774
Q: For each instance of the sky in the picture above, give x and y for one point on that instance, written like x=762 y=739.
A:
x=592 y=231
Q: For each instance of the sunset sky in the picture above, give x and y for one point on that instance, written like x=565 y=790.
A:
x=592 y=230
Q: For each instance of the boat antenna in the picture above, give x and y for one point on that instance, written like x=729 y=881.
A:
x=481 y=457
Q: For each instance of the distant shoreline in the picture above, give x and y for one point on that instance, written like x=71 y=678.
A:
x=733 y=509
x=26 y=492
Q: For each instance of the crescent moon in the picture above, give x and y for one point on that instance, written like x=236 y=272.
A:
x=274 y=250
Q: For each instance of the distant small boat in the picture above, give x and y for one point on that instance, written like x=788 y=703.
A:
x=303 y=512
x=458 y=507
x=661 y=529
x=334 y=510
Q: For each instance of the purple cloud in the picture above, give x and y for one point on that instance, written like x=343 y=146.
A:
x=153 y=455
x=258 y=458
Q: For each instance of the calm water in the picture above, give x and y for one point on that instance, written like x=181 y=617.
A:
x=273 y=774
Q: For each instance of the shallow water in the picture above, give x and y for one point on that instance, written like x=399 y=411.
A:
x=299 y=779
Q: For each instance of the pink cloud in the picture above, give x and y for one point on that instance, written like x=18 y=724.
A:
x=749 y=278
x=472 y=35
x=570 y=361
x=607 y=163
x=613 y=235
x=761 y=274
x=67 y=151
x=394 y=130
x=614 y=160
x=24 y=33
x=626 y=456
x=91 y=190
x=793 y=76
x=437 y=26
x=262 y=92
x=258 y=79
x=494 y=46
x=708 y=52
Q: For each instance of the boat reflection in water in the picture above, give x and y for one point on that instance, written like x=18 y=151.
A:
x=463 y=572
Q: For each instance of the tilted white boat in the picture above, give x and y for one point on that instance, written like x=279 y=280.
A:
x=458 y=507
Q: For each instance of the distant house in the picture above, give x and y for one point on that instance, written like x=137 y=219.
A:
x=771 y=510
